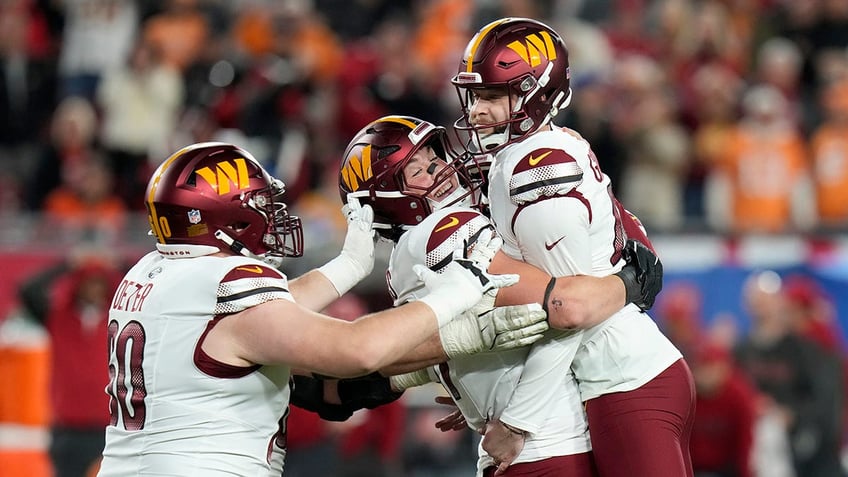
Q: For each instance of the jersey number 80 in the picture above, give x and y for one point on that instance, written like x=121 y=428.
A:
x=126 y=375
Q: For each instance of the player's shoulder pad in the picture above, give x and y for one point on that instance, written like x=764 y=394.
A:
x=543 y=172
x=444 y=231
x=248 y=283
x=251 y=270
x=545 y=166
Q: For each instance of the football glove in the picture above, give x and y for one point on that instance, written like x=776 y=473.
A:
x=366 y=392
x=501 y=328
x=307 y=392
x=356 y=259
x=642 y=275
x=460 y=285
x=483 y=250
x=411 y=379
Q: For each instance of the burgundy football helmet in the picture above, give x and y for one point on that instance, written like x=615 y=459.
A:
x=529 y=61
x=372 y=172
x=217 y=194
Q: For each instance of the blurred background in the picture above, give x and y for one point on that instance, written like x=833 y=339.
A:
x=722 y=123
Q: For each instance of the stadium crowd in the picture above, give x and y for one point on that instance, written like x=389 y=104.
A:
x=729 y=111
x=711 y=116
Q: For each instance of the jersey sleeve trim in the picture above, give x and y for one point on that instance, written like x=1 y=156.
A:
x=211 y=366
x=574 y=194
x=545 y=184
x=249 y=293
x=544 y=171
x=245 y=286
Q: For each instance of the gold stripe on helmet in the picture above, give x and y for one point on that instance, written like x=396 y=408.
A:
x=154 y=185
x=478 y=38
x=397 y=119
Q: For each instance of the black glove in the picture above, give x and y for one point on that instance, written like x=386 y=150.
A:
x=307 y=392
x=367 y=392
x=642 y=275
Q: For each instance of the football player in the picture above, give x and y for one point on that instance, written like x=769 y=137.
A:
x=552 y=205
x=203 y=332
x=405 y=170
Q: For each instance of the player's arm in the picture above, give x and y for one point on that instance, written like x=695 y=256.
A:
x=575 y=301
x=318 y=288
x=583 y=301
x=313 y=290
x=563 y=246
x=572 y=302
x=426 y=354
x=479 y=330
x=337 y=399
x=485 y=328
x=283 y=332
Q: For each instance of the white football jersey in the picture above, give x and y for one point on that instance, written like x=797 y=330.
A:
x=483 y=385
x=552 y=205
x=175 y=410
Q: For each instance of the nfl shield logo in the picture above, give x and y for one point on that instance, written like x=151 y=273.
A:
x=194 y=216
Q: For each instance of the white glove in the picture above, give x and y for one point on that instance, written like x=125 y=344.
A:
x=504 y=327
x=356 y=259
x=404 y=381
x=482 y=252
x=484 y=249
x=459 y=286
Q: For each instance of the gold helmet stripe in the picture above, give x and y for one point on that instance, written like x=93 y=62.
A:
x=478 y=38
x=397 y=119
x=154 y=184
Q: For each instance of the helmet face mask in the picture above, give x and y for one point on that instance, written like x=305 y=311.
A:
x=520 y=57
x=372 y=172
x=218 y=196
x=283 y=236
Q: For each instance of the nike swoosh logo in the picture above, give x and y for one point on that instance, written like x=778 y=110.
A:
x=549 y=246
x=535 y=160
x=253 y=269
x=453 y=223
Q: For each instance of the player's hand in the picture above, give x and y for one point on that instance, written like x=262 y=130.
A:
x=483 y=250
x=356 y=260
x=501 y=328
x=307 y=392
x=642 y=275
x=359 y=240
x=367 y=392
x=458 y=287
x=454 y=421
x=502 y=444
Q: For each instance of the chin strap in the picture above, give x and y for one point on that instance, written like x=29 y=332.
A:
x=494 y=140
x=234 y=245
x=240 y=249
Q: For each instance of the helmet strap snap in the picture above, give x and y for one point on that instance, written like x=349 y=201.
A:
x=234 y=245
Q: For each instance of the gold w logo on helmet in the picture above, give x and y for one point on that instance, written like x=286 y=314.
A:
x=357 y=169
x=225 y=175
x=535 y=46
